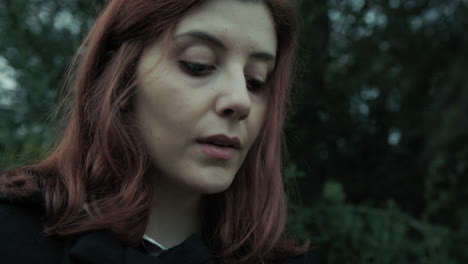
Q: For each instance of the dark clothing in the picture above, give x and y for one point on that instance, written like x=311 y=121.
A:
x=22 y=241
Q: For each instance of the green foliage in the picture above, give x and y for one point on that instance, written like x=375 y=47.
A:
x=380 y=128
x=38 y=39
x=345 y=232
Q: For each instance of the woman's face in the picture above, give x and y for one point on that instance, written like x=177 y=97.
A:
x=202 y=100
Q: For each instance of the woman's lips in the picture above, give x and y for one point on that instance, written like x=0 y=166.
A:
x=218 y=152
x=222 y=140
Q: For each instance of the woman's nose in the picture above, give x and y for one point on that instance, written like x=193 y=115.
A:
x=234 y=100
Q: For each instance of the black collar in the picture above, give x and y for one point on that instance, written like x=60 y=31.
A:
x=99 y=247
x=102 y=247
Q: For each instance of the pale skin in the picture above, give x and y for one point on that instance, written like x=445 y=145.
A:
x=210 y=81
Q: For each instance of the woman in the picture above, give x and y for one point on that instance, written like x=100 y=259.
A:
x=171 y=153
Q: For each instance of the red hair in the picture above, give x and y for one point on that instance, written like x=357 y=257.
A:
x=99 y=160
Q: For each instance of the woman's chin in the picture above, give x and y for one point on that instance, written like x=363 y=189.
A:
x=212 y=185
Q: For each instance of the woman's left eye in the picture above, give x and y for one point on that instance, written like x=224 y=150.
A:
x=255 y=85
x=196 y=69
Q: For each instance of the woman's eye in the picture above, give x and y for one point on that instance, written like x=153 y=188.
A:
x=255 y=85
x=197 y=69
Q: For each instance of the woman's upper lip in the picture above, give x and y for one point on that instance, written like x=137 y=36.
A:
x=223 y=140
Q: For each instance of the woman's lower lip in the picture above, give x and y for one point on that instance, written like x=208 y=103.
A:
x=218 y=152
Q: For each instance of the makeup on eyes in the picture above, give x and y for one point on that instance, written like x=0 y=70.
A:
x=199 y=54
x=200 y=57
x=258 y=70
x=214 y=44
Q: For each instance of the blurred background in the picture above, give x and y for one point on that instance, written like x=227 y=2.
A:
x=377 y=159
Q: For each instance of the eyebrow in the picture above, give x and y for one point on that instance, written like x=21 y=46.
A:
x=266 y=56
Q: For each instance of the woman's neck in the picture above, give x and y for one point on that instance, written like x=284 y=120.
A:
x=175 y=214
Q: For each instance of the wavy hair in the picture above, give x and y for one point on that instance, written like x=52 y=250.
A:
x=99 y=159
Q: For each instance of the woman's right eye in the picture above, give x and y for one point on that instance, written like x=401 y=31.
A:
x=196 y=69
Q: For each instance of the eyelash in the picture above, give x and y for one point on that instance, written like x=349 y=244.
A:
x=255 y=85
x=197 y=69
x=200 y=70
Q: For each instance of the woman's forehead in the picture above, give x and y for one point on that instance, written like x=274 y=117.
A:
x=244 y=24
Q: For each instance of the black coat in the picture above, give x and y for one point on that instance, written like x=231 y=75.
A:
x=22 y=241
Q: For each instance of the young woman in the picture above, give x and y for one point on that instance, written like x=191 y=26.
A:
x=172 y=148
